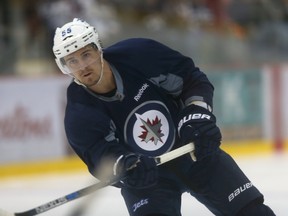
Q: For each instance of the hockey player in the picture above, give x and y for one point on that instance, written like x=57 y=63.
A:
x=138 y=99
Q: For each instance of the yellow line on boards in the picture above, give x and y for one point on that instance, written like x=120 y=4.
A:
x=68 y=164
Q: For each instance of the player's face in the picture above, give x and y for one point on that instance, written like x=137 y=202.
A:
x=85 y=64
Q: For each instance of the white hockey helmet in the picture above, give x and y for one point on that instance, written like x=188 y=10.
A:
x=71 y=37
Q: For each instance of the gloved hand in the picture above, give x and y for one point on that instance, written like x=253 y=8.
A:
x=198 y=125
x=137 y=171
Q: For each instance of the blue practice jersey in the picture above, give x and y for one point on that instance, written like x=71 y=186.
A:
x=154 y=82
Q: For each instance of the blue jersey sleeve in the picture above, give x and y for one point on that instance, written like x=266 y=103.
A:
x=90 y=133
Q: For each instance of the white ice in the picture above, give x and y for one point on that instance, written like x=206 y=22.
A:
x=268 y=173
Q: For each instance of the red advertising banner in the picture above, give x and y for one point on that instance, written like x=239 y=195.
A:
x=31 y=118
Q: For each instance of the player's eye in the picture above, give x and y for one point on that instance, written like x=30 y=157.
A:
x=72 y=63
x=87 y=55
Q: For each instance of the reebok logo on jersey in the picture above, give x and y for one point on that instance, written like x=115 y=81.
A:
x=139 y=204
x=192 y=117
x=239 y=191
x=141 y=91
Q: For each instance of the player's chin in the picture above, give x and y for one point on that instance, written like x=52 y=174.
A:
x=90 y=83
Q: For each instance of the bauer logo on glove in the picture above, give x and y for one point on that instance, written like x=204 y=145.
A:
x=190 y=117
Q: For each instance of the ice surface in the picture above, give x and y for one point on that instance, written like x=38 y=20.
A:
x=268 y=173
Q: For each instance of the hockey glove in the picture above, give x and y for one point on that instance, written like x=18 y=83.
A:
x=137 y=171
x=198 y=125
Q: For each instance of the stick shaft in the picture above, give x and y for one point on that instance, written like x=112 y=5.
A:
x=90 y=189
x=174 y=153
x=62 y=200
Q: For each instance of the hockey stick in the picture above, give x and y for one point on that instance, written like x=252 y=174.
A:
x=188 y=148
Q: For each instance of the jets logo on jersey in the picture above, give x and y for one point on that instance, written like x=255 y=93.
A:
x=152 y=130
x=149 y=129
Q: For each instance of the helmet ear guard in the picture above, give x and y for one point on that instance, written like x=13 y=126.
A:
x=72 y=37
x=61 y=65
